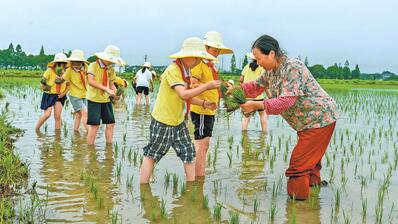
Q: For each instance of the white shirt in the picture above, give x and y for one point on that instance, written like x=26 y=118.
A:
x=143 y=79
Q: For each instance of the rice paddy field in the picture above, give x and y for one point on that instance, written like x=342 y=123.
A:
x=245 y=183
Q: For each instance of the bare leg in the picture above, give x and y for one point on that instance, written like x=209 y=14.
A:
x=84 y=118
x=201 y=146
x=57 y=115
x=43 y=118
x=190 y=171
x=263 y=120
x=147 y=100
x=78 y=118
x=146 y=170
x=92 y=133
x=109 y=133
x=138 y=102
x=245 y=123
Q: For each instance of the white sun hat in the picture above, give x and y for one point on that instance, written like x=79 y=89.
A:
x=250 y=55
x=59 y=57
x=77 y=55
x=112 y=54
x=147 y=64
x=193 y=47
x=214 y=39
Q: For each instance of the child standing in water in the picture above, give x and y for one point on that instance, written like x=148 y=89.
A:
x=168 y=128
x=54 y=91
x=76 y=76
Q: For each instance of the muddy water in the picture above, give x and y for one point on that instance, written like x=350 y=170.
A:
x=97 y=184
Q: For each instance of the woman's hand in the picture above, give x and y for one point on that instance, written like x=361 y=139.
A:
x=251 y=106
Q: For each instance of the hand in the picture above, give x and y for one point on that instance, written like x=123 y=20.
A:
x=61 y=95
x=110 y=92
x=210 y=105
x=213 y=84
x=251 y=106
x=115 y=97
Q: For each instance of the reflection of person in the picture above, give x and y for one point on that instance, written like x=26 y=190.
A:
x=303 y=212
x=76 y=76
x=203 y=118
x=301 y=101
x=54 y=91
x=250 y=73
x=167 y=128
x=143 y=78
x=101 y=77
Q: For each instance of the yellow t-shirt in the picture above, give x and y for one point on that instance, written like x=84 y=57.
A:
x=95 y=94
x=169 y=107
x=77 y=88
x=50 y=76
x=250 y=75
x=203 y=73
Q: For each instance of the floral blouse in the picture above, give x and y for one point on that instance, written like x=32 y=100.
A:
x=314 y=108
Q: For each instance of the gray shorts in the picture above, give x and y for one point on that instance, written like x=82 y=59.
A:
x=78 y=104
x=163 y=136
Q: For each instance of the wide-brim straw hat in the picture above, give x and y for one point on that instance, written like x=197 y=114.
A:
x=77 y=55
x=59 y=57
x=193 y=47
x=214 y=39
x=147 y=64
x=250 y=55
x=111 y=54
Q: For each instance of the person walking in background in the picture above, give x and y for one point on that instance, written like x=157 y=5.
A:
x=144 y=82
x=250 y=73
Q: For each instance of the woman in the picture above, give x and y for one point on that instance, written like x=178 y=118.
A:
x=250 y=73
x=144 y=83
x=54 y=91
x=76 y=76
x=300 y=100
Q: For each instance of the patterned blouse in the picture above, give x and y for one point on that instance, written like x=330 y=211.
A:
x=314 y=108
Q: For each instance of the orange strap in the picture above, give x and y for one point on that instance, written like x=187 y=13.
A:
x=57 y=85
x=186 y=80
x=83 y=79
x=215 y=75
x=105 y=81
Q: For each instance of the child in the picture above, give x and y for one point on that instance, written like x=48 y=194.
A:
x=203 y=118
x=250 y=73
x=101 y=77
x=76 y=76
x=168 y=128
x=144 y=83
x=54 y=91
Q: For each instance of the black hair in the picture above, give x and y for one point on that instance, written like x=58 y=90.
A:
x=143 y=69
x=267 y=44
x=253 y=65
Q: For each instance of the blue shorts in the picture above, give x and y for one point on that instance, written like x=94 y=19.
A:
x=49 y=100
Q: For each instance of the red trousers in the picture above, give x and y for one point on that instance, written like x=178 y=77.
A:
x=305 y=161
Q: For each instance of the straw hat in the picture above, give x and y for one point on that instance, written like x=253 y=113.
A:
x=147 y=64
x=60 y=57
x=112 y=54
x=77 y=55
x=214 y=39
x=193 y=47
x=250 y=55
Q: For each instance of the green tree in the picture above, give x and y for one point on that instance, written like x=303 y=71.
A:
x=306 y=61
x=318 y=71
x=356 y=73
x=346 y=70
x=233 y=64
x=245 y=62
x=42 y=53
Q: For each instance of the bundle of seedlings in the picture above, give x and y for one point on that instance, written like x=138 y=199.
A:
x=232 y=98
x=44 y=84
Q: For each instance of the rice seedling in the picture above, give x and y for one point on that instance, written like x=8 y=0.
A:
x=229 y=154
x=194 y=193
x=175 y=180
x=256 y=204
x=364 y=209
x=234 y=218
x=272 y=212
x=183 y=188
x=163 y=211
x=217 y=211
x=205 y=202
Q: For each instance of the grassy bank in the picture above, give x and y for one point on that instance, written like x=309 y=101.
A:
x=12 y=170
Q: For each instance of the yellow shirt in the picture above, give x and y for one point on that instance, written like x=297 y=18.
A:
x=97 y=70
x=50 y=77
x=169 y=107
x=203 y=73
x=250 y=75
x=77 y=88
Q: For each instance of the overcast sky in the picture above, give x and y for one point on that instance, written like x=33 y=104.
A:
x=364 y=32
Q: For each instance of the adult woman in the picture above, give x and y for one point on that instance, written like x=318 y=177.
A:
x=300 y=100
x=144 y=83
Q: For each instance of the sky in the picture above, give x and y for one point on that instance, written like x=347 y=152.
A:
x=363 y=32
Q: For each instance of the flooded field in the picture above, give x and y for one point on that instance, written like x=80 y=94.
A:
x=245 y=180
